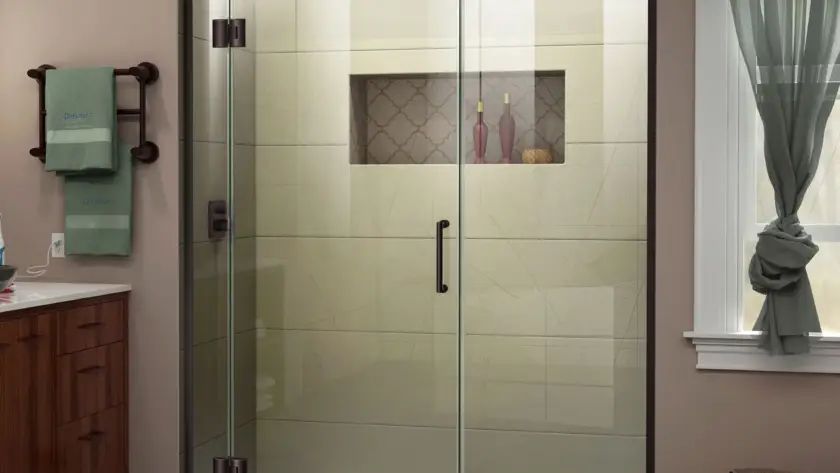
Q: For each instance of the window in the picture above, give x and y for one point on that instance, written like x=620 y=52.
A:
x=733 y=202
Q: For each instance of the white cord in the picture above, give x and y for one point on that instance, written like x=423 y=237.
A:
x=37 y=271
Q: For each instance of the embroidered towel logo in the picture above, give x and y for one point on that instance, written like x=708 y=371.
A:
x=97 y=202
x=72 y=117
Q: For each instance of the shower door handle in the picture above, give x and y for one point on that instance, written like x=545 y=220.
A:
x=441 y=287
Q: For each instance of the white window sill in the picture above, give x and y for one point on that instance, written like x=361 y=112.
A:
x=740 y=352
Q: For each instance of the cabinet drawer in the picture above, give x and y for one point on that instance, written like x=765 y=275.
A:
x=91 y=326
x=90 y=381
x=94 y=444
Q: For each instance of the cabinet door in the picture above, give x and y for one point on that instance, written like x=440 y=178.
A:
x=26 y=395
x=94 y=444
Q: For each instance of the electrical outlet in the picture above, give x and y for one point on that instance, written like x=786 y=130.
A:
x=58 y=245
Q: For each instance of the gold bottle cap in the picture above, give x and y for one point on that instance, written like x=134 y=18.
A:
x=480 y=107
x=507 y=98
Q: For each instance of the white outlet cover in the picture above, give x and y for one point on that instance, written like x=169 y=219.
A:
x=58 y=245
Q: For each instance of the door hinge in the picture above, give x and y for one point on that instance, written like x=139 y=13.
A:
x=229 y=33
x=218 y=223
x=230 y=465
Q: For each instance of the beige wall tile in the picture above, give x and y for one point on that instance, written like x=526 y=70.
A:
x=303 y=99
x=561 y=22
x=618 y=409
x=505 y=310
x=595 y=195
x=276 y=98
x=403 y=201
x=210 y=391
x=245 y=284
x=550 y=263
x=244 y=96
x=310 y=283
x=210 y=291
x=210 y=86
x=246 y=9
x=606 y=86
x=358 y=377
x=245 y=378
x=203 y=454
x=335 y=448
x=314 y=191
x=552 y=287
x=204 y=11
x=505 y=381
x=408 y=24
x=376 y=24
x=245 y=441
x=625 y=21
x=244 y=191
x=489 y=451
x=210 y=173
x=303 y=191
x=354 y=284
x=275 y=26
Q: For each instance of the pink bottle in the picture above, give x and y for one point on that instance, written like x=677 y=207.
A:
x=480 y=132
x=507 y=131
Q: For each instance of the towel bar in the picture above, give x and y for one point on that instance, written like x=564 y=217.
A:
x=146 y=73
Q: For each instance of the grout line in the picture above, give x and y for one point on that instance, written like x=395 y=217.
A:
x=432 y=427
x=467 y=334
x=345 y=145
x=222 y=338
x=454 y=48
x=431 y=238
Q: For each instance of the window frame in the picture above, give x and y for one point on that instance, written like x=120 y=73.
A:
x=723 y=133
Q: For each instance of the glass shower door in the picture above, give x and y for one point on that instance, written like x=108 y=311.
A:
x=352 y=125
x=554 y=200
x=357 y=127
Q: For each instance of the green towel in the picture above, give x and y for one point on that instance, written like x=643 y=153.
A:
x=81 y=120
x=97 y=210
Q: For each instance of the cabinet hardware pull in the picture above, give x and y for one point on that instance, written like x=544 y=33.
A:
x=89 y=325
x=91 y=435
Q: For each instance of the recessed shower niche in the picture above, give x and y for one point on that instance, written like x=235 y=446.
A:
x=412 y=119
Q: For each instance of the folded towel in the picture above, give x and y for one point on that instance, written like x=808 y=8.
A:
x=81 y=120
x=97 y=210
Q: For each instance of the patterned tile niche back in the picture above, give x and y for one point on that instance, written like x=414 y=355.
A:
x=413 y=120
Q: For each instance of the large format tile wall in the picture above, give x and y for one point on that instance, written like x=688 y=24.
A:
x=211 y=86
x=357 y=357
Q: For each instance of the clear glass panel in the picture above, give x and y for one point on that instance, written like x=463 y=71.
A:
x=553 y=263
x=243 y=280
x=354 y=133
x=354 y=111
x=211 y=175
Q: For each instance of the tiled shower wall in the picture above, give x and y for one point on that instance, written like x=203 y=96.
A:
x=357 y=357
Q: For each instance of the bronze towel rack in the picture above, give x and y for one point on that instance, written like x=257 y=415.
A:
x=146 y=73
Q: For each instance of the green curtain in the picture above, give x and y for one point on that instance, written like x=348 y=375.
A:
x=790 y=48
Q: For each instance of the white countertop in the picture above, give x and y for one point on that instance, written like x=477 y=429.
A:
x=37 y=294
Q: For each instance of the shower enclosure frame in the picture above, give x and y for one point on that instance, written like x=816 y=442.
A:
x=187 y=270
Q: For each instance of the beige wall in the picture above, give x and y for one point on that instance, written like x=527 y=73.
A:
x=87 y=33
x=709 y=422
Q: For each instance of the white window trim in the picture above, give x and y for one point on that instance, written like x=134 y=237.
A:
x=716 y=336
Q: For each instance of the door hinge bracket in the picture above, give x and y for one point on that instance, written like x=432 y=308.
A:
x=229 y=33
x=230 y=465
